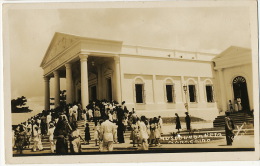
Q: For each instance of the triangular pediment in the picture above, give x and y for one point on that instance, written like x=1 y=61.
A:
x=59 y=43
x=233 y=51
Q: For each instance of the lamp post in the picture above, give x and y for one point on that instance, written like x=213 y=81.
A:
x=186 y=103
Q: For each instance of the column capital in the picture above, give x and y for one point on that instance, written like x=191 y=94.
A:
x=56 y=73
x=116 y=59
x=220 y=69
x=46 y=78
x=68 y=65
x=83 y=57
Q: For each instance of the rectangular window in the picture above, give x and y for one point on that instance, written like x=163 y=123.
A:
x=209 y=92
x=192 y=93
x=139 y=93
x=169 y=93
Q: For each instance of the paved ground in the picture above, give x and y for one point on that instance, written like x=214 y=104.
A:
x=241 y=143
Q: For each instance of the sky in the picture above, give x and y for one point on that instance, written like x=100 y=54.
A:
x=208 y=29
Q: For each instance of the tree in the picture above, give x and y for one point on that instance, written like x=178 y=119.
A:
x=19 y=105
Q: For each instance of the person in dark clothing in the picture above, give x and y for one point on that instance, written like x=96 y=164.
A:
x=187 y=120
x=120 y=132
x=229 y=127
x=21 y=139
x=177 y=122
x=87 y=133
x=61 y=133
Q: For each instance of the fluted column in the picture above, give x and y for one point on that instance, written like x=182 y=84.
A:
x=118 y=83
x=47 y=93
x=56 y=88
x=222 y=90
x=84 y=80
x=68 y=84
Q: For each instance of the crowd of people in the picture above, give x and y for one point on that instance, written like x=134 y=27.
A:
x=111 y=120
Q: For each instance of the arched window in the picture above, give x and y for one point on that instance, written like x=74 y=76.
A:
x=139 y=90
x=169 y=91
x=192 y=91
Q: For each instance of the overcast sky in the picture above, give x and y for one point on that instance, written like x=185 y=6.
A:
x=209 y=30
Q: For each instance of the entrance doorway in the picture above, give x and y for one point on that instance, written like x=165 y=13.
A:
x=93 y=93
x=109 y=89
x=240 y=91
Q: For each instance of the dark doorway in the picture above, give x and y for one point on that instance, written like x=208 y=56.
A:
x=240 y=91
x=109 y=89
x=94 y=93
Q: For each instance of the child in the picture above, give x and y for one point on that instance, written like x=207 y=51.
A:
x=135 y=134
x=157 y=132
x=87 y=133
x=96 y=132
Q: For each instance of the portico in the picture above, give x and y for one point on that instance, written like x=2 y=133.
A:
x=89 y=74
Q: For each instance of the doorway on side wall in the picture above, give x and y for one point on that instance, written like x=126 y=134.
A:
x=240 y=91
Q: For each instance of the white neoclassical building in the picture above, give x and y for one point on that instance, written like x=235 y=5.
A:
x=154 y=81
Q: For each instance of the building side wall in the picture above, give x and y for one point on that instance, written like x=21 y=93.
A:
x=155 y=74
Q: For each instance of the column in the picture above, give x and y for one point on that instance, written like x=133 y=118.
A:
x=84 y=80
x=68 y=84
x=47 y=93
x=56 y=88
x=100 y=96
x=222 y=90
x=154 y=89
x=73 y=91
x=118 y=83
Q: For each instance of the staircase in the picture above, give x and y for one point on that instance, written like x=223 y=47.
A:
x=238 y=117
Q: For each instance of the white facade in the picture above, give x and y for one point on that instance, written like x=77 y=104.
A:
x=151 y=80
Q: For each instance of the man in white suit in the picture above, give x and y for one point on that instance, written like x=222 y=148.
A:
x=107 y=134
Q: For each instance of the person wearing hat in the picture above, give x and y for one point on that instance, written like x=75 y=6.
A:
x=187 y=120
x=229 y=127
x=51 y=136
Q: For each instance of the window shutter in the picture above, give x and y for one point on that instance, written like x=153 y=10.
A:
x=195 y=93
x=134 y=89
x=144 y=95
x=213 y=94
x=165 y=92
x=173 y=93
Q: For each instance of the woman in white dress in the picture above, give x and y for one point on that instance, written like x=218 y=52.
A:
x=90 y=114
x=143 y=134
x=51 y=136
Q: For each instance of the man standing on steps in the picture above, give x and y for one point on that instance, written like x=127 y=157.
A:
x=229 y=127
x=107 y=134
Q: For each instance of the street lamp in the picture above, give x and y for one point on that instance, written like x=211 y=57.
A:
x=186 y=103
